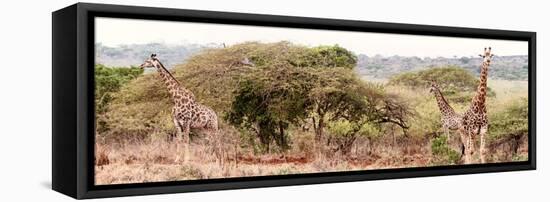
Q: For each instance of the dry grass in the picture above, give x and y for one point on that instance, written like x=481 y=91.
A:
x=101 y=155
x=138 y=160
x=153 y=161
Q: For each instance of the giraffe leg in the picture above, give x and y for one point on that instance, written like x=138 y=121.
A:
x=186 y=144
x=446 y=133
x=470 y=148
x=179 y=134
x=462 y=146
x=468 y=154
x=463 y=143
x=464 y=137
x=482 y=149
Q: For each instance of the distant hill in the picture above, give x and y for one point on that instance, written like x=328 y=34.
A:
x=502 y=67
x=135 y=54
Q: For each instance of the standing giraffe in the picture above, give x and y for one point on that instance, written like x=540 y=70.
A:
x=450 y=120
x=186 y=113
x=474 y=120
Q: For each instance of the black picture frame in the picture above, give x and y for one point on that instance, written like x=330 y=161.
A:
x=73 y=100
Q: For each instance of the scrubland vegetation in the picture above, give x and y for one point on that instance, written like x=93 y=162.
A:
x=296 y=110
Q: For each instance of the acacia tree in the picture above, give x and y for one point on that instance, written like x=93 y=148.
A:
x=269 y=100
x=278 y=93
x=338 y=93
x=391 y=109
x=284 y=92
x=347 y=99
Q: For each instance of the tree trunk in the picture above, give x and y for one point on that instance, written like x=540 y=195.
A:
x=393 y=136
x=282 y=140
x=319 y=130
x=314 y=124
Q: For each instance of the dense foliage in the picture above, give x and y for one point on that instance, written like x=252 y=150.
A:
x=268 y=100
x=314 y=84
x=442 y=153
x=512 y=120
x=109 y=80
x=326 y=56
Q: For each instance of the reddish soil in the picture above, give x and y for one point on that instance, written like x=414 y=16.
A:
x=362 y=161
x=298 y=160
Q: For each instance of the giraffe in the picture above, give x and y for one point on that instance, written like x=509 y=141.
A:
x=187 y=113
x=450 y=120
x=474 y=120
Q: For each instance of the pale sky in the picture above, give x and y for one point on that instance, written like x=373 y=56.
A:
x=116 y=31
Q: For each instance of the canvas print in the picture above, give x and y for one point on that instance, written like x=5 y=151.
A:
x=179 y=101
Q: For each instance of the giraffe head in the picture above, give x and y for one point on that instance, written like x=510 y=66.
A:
x=487 y=55
x=433 y=86
x=150 y=62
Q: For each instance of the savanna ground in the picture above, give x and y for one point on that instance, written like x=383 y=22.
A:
x=374 y=124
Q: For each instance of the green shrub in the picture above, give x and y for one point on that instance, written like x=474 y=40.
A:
x=511 y=119
x=442 y=153
x=427 y=118
x=109 y=80
x=343 y=133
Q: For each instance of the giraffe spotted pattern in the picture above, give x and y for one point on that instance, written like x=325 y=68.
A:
x=187 y=113
x=474 y=121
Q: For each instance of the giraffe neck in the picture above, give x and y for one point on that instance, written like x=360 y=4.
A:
x=478 y=102
x=170 y=81
x=443 y=105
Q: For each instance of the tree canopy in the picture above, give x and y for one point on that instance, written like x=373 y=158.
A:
x=455 y=82
x=287 y=92
x=109 y=80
